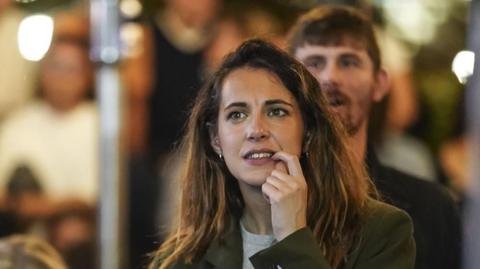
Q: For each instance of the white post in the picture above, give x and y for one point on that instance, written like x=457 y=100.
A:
x=472 y=202
x=106 y=53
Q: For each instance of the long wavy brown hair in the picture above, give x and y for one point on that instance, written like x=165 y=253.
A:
x=211 y=203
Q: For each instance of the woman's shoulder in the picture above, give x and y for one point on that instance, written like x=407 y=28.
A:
x=376 y=210
x=381 y=216
x=386 y=238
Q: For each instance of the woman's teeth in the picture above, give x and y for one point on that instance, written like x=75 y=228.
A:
x=261 y=155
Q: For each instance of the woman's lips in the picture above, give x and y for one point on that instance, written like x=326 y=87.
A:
x=259 y=162
x=258 y=157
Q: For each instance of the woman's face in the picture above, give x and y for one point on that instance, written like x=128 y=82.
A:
x=257 y=117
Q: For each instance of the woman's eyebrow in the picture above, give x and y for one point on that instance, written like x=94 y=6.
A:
x=235 y=104
x=277 y=101
x=268 y=102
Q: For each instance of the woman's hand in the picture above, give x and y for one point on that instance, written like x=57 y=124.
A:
x=286 y=190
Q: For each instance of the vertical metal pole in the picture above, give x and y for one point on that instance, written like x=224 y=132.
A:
x=106 y=53
x=472 y=204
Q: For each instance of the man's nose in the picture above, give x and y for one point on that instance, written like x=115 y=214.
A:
x=258 y=129
x=328 y=76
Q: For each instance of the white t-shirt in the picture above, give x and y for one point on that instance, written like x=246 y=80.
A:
x=60 y=148
x=253 y=243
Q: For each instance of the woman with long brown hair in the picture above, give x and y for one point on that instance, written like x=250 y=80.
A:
x=268 y=181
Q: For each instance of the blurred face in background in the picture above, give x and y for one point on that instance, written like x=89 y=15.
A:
x=347 y=76
x=196 y=14
x=72 y=231
x=4 y=4
x=66 y=75
x=228 y=37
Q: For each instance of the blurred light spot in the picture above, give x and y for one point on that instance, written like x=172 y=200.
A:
x=131 y=35
x=417 y=26
x=131 y=8
x=109 y=54
x=416 y=21
x=25 y=1
x=34 y=36
x=462 y=65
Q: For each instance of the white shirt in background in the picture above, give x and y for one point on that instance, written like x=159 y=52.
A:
x=60 y=149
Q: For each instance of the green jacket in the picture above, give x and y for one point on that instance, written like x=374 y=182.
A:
x=386 y=242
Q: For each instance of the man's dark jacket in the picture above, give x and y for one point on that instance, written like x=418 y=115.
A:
x=436 y=219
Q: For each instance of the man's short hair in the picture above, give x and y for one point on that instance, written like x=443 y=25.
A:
x=335 y=25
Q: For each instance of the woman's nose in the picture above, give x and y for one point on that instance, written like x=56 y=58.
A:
x=258 y=135
x=258 y=129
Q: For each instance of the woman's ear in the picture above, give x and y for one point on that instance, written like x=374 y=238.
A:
x=216 y=145
x=214 y=141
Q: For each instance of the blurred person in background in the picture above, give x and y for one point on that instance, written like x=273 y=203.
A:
x=160 y=78
x=71 y=230
x=56 y=134
x=26 y=206
x=22 y=252
x=338 y=46
x=237 y=24
x=181 y=30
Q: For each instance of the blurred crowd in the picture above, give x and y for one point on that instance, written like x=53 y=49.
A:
x=49 y=182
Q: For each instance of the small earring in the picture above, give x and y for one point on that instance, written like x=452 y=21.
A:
x=220 y=156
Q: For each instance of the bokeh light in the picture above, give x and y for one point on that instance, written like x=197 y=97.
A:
x=34 y=36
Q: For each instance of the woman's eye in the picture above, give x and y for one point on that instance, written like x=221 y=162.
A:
x=277 y=112
x=236 y=115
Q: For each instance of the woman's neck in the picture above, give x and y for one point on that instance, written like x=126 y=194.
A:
x=256 y=216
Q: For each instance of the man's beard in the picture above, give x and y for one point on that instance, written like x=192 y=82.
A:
x=346 y=120
x=341 y=103
x=351 y=127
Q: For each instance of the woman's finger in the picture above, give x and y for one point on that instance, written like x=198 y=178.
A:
x=289 y=180
x=270 y=192
x=293 y=164
x=281 y=166
x=281 y=185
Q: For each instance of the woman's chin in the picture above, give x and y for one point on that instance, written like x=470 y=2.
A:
x=255 y=179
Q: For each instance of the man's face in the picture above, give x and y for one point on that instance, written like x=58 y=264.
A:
x=66 y=76
x=347 y=77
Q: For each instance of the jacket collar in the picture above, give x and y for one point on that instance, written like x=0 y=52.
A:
x=227 y=253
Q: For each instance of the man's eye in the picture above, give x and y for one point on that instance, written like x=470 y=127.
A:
x=313 y=64
x=349 y=62
x=277 y=112
x=236 y=115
